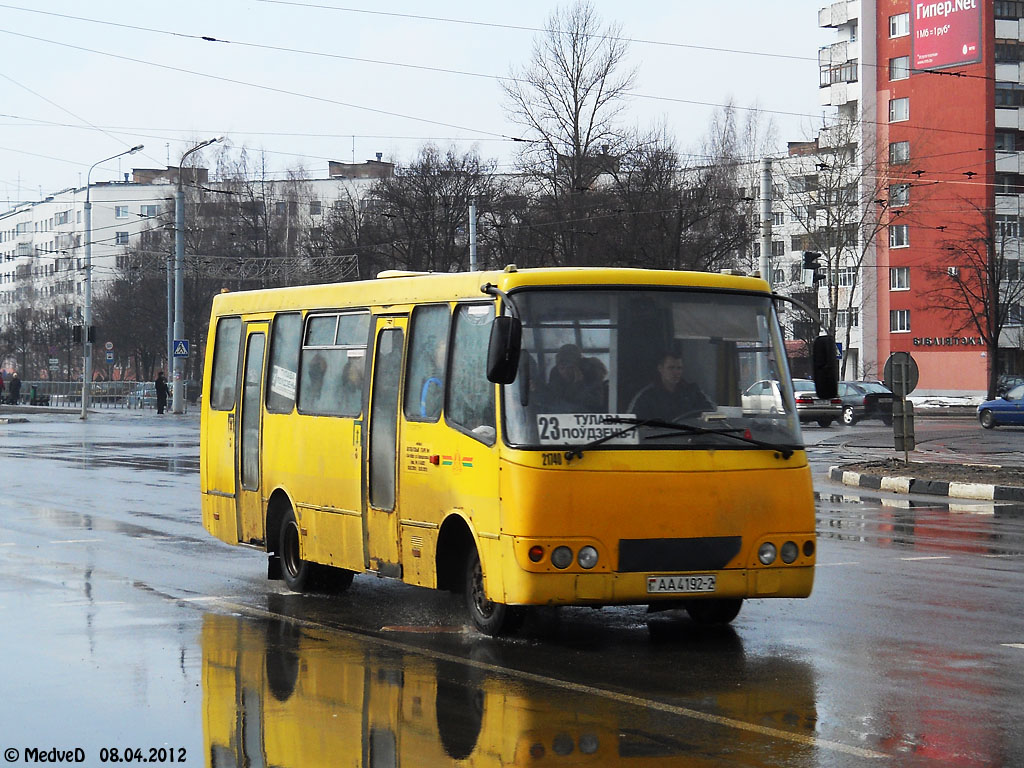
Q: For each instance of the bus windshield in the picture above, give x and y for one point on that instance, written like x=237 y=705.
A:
x=614 y=365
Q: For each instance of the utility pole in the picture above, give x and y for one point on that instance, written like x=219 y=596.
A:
x=87 y=314
x=178 y=395
x=472 y=235
x=764 y=263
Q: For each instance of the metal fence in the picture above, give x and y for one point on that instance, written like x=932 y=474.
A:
x=102 y=394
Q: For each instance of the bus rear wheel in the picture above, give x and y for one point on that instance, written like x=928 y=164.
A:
x=494 y=619
x=296 y=572
x=713 y=611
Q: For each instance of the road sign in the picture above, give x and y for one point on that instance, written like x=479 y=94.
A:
x=108 y=346
x=54 y=364
x=110 y=357
x=181 y=347
x=901 y=374
x=839 y=350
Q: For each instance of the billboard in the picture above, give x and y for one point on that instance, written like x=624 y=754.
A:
x=945 y=33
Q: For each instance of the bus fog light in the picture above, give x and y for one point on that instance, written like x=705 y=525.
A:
x=589 y=743
x=561 y=557
x=766 y=553
x=587 y=557
x=789 y=552
x=808 y=548
x=536 y=553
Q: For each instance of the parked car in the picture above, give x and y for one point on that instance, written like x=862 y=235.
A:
x=765 y=396
x=865 y=400
x=810 y=407
x=1005 y=410
x=1006 y=382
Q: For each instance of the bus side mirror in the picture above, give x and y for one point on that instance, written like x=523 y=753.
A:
x=503 y=351
x=825 y=364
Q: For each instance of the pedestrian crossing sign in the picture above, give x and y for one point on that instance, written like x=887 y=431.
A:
x=181 y=347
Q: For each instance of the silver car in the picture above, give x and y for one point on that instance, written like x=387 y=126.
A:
x=810 y=407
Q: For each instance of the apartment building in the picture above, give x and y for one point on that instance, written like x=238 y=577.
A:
x=937 y=90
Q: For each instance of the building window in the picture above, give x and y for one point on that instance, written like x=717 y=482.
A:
x=899 y=195
x=899 y=68
x=280 y=208
x=899 y=110
x=1007 y=226
x=838 y=73
x=846 y=277
x=120 y=238
x=1006 y=141
x=899 y=278
x=848 y=318
x=1009 y=95
x=1008 y=52
x=778 y=218
x=120 y=211
x=899 y=153
x=1009 y=9
x=899 y=25
x=315 y=208
x=899 y=237
x=899 y=320
x=778 y=248
x=150 y=210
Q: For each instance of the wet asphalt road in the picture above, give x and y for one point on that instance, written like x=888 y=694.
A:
x=126 y=627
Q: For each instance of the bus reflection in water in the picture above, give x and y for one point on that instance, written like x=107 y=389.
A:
x=275 y=694
x=534 y=437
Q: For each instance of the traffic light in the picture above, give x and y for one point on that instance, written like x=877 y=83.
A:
x=812 y=268
x=76 y=334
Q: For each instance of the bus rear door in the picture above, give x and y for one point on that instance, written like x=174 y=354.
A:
x=380 y=545
x=250 y=506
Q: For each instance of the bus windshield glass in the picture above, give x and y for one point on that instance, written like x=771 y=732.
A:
x=649 y=368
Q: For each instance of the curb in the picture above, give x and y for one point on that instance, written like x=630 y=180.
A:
x=904 y=484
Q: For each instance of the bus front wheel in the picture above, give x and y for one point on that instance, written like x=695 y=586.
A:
x=296 y=572
x=713 y=611
x=491 y=618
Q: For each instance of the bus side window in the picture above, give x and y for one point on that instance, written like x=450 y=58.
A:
x=333 y=364
x=470 y=403
x=428 y=345
x=283 y=371
x=225 y=363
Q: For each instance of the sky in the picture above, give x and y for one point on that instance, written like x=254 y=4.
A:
x=300 y=82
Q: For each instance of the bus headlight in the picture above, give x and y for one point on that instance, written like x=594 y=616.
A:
x=766 y=553
x=587 y=558
x=789 y=552
x=561 y=557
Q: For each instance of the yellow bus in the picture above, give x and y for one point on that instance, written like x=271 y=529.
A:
x=524 y=437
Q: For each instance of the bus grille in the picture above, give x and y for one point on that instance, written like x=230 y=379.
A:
x=706 y=553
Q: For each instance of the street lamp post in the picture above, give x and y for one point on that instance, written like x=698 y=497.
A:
x=87 y=314
x=178 y=394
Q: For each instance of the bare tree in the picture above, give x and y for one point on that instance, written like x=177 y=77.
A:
x=569 y=98
x=980 y=289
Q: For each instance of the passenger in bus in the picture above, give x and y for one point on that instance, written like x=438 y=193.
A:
x=578 y=382
x=351 y=399
x=670 y=395
x=431 y=387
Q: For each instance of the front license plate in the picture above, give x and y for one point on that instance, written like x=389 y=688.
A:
x=695 y=582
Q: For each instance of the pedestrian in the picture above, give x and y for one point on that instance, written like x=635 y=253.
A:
x=15 y=388
x=161 y=392
x=1 y=386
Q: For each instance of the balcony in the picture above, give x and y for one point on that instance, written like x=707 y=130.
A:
x=837 y=14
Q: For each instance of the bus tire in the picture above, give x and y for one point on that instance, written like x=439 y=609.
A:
x=494 y=619
x=295 y=571
x=713 y=611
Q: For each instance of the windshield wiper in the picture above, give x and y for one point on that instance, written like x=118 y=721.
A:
x=691 y=429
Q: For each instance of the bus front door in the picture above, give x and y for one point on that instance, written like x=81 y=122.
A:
x=250 y=505
x=380 y=542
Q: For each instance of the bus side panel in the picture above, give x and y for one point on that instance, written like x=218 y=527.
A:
x=316 y=459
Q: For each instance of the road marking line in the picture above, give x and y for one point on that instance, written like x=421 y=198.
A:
x=1009 y=555
x=928 y=557
x=206 y=599
x=589 y=690
x=824 y=565
x=75 y=603
x=75 y=541
x=6 y=543
x=1014 y=645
